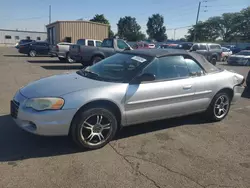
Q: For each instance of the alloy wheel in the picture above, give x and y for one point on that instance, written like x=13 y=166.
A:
x=221 y=106
x=95 y=130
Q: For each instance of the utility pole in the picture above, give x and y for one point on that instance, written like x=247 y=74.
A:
x=197 y=19
x=174 y=33
x=49 y=14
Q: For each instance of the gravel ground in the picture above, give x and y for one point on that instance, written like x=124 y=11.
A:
x=182 y=152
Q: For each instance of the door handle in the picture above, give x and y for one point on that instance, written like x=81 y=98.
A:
x=187 y=87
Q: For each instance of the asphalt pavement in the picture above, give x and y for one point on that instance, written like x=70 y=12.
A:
x=186 y=152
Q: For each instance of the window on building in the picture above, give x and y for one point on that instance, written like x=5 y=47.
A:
x=17 y=37
x=28 y=37
x=90 y=43
x=7 y=37
x=38 y=38
x=67 y=39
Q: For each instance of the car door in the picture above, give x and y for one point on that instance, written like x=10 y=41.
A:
x=169 y=95
x=203 y=92
x=203 y=49
x=108 y=47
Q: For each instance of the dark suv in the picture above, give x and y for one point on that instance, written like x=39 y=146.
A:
x=211 y=51
x=34 y=48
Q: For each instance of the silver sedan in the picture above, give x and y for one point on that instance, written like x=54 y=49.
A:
x=128 y=88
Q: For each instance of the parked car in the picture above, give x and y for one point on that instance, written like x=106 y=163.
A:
x=248 y=80
x=185 y=45
x=212 y=52
x=23 y=41
x=127 y=88
x=225 y=53
x=91 y=55
x=34 y=48
x=140 y=45
x=167 y=46
x=241 y=58
x=61 y=50
x=233 y=48
x=151 y=45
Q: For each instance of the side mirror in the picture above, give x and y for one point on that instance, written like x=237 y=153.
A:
x=145 y=77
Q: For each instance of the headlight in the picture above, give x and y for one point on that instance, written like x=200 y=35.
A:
x=40 y=104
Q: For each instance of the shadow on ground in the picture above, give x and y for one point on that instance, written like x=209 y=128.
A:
x=15 y=55
x=62 y=67
x=16 y=144
x=52 y=61
x=246 y=93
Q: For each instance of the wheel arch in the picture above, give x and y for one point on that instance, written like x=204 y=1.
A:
x=98 y=55
x=99 y=103
x=226 y=90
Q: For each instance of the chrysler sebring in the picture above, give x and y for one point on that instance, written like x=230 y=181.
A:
x=130 y=87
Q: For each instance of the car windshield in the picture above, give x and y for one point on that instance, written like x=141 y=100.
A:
x=117 y=68
x=243 y=53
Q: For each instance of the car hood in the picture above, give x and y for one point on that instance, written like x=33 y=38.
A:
x=58 y=85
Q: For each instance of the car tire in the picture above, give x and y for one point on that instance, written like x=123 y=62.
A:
x=32 y=53
x=94 y=127
x=213 y=60
x=61 y=59
x=69 y=60
x=96 y=59
x=219 y=106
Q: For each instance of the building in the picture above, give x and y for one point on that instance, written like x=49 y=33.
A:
x=71 y=31
x=10 y=37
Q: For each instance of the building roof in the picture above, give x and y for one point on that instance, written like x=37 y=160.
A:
x=12 y=30
x=76 y=21
x=156 y=52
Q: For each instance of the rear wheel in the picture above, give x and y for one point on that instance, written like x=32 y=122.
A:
x=32 y=53
x=94 y=127
x=213 y=60
x=219 y=107
x=96 y=59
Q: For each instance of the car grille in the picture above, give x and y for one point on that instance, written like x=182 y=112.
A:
x=14 y=106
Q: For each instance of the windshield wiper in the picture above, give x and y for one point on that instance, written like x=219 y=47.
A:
x=90 y=72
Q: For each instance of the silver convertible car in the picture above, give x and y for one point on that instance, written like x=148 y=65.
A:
x=127 y=88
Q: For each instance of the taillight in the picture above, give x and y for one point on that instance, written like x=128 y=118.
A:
x=57 y=48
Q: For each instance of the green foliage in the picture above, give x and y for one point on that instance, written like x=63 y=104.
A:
x=156 y=29
x=228 y=27
x=100 y=18
x=129 y=29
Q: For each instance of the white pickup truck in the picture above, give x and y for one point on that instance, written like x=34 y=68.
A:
x=61 y=50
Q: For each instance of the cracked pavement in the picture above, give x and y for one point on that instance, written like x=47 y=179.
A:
x=184 y=152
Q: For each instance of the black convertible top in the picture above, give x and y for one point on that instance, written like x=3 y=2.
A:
x=208 y=67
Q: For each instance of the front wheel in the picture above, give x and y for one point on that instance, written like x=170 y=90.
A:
x=94 y=128
x=219 y=106
x=213 y=60
x=32 y=53
x=61 y=59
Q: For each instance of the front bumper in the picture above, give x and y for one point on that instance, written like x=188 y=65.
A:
x=46 y=123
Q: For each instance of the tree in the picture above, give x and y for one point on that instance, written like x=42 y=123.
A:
x=156 y=29
x=100 y=18
x=228 y=27
x=129 y=29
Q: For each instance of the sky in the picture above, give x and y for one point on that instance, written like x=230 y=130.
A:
x=34 y=14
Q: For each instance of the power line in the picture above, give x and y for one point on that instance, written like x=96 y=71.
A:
x=31 y=18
